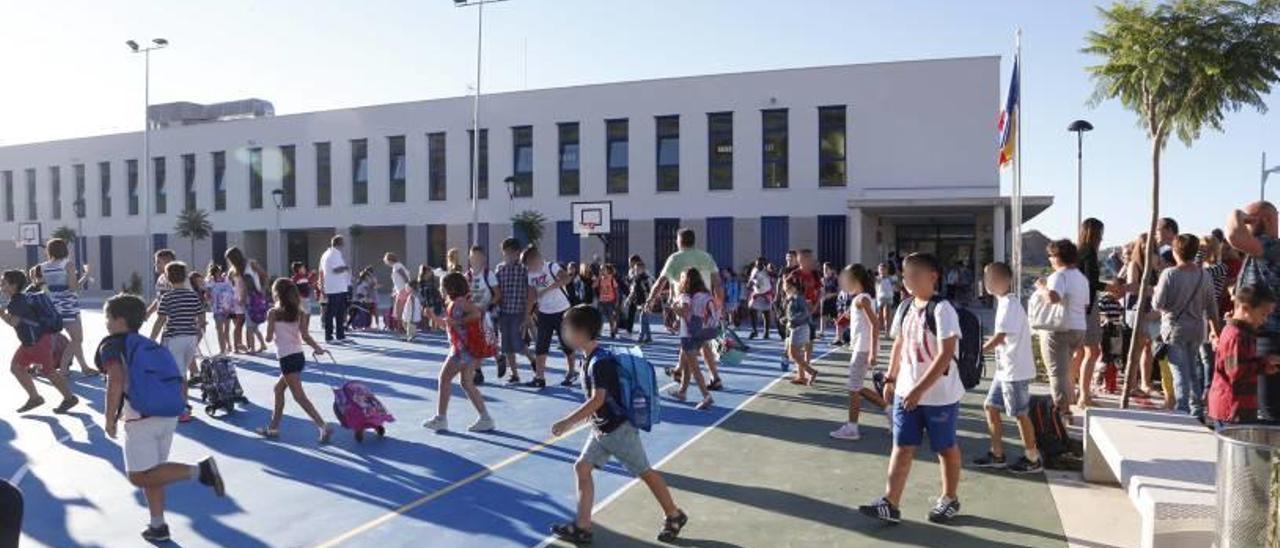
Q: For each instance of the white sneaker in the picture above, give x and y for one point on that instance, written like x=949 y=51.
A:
x=847 y=431
x=437 y=423
x=482 y=424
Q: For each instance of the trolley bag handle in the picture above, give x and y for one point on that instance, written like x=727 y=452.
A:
x=315 y=356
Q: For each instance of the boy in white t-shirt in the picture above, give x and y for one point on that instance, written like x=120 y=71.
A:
x=924 y=374
x=1015 y=368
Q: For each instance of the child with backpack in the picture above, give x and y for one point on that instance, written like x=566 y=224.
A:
x=695 y=307
x=222 y=301
x=38 y=325
x=411 y=312
x=864 y=340
x=179 y=322
x=1010 y=389
x=144 y=389
x=468 y=344
x=798 y=318
x=612 y=432
x=640 y=285
x=288 y=326
x=607 y=289
x=925 y=387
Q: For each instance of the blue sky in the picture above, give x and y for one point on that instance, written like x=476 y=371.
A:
x=68 y=72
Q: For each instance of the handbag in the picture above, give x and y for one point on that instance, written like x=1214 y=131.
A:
x=1046 y=316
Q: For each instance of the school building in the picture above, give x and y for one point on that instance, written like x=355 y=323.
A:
x=854 y=161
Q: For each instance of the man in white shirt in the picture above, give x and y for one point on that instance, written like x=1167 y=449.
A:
x=335 y=281
x=548 y=281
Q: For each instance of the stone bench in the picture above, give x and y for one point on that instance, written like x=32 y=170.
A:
x=1165 y=462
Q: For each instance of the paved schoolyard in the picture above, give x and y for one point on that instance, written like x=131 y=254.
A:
x=763 y=475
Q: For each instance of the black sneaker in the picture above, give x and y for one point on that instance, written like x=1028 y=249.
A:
x=945 y=509
x=570 y=379
x=210 y=476
x=513 y=380
x=877 y=380
x=156 y=534
x=753 y=335
x=882 y=510
x=1026 y=466
x=715 y=385
x=537 y=383
x=479 y=378
x=990 y=460
x=502 y=365
x=66 y=405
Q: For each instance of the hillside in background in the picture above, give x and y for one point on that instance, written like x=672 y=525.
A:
x=1034 y=243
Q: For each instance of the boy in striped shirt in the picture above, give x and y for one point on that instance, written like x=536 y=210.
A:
x=179 y=322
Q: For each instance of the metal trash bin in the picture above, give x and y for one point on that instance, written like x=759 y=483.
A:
x=1248 y=485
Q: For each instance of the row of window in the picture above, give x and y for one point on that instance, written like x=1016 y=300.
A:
x=775 y=141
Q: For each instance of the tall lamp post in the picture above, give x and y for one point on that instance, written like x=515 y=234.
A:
x=1080 y=127
x=156 y=43
x=277 y=198
x=78 y=205
x=475 y=117
x=1265 y=172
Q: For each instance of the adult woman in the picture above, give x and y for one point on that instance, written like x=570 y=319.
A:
x=1211 y=259
x=1147 y=326
x=762 y=293
x=1082 y=361
x=59 y=276
x=399 y=286
x=246 y=281
x=1067 y=288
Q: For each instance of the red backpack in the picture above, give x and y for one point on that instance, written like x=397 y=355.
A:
x=479 y=339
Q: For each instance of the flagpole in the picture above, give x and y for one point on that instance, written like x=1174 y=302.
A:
x=1017 y=170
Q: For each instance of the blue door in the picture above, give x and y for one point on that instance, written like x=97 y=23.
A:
x=568 y=248
x=520 y=235
x=220 y=248
x=33 y=255
x=833 y=238
x=483 y=241
x=159 y=241
x=720 y=240
x=106 y=268
x=775 y=236
x=664 y=241
x=617 y=246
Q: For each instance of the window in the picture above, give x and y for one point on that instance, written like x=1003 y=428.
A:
x=774 y=170
x=668 y=153
x=359 y=171
x=288 y=176
x=832 y=167
x=255 y=178
x=437 y=244
x=569 y=180
x=104 y=192
x=131 y=180
x=617 y=152
x=436 y=168
x=31 y=194
x=8 y=196
x=160 y=196
x=482 y=181
x=55 y=187
x=219 y=181
x=720 y=151
x=664 y=240
x=395 y=154
x=522 y=161
x=188 y=181
x=78 y=206
x=324 y=175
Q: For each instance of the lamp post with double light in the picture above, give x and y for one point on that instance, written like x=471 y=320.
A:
x=475 y=116
x=156 y=43
x=277 y=198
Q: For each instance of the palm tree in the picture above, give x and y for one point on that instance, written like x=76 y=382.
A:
x=1182 y=66
x=193 y=224
x=66 y=234
x=530 y=223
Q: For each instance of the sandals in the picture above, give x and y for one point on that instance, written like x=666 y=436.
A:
x=325 y=434
x=672 y=525
x=570 y=532
x=267 y=433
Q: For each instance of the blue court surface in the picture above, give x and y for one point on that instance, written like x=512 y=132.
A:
x=412 y=488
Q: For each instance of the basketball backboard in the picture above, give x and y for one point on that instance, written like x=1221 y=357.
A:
x=591 y=218
x=28 y=234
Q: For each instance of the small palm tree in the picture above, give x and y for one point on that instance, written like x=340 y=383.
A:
x=530 y=223
x=193 y=224
x=66 y=234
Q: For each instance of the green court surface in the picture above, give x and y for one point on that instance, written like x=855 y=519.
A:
x=770 y=476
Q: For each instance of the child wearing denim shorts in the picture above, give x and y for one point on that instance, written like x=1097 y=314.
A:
x=1015 y=368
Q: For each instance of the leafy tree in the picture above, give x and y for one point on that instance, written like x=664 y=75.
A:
x=1181 y=66
x=530 y=223
x=193 y=224
x=66 y=234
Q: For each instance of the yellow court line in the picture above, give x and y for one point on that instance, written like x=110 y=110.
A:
x=480 y=474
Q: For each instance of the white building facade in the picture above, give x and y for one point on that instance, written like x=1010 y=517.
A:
x=853 y=161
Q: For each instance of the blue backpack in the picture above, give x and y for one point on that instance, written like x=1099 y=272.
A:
x=47 y=319
x=639 y=388
x=154 y=386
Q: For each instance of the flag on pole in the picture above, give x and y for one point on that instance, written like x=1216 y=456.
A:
x=1007 y=127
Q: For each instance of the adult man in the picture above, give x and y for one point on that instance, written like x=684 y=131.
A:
x=1253 y=232
x=684 y=258
x=335 y=280
x=514 y=297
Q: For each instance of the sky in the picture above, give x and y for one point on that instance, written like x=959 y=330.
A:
x=67 y=72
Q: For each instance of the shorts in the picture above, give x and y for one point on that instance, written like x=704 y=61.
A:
x=511 y=330
x=548 y=324
x=41 y=353
x=182 y=347
x=761 y=304
x=858 y=370
x=147 y=442
x=220 y=317
x=1012 y=396
x=623 y=443
x=884 y=302
x=67 y=303
x=1092 y=327
x=607 y=308
x=939 y=421
x=799 y=335
x=293 y=363
x=692 y=344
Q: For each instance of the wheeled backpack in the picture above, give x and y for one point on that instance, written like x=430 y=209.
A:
x=219 y=385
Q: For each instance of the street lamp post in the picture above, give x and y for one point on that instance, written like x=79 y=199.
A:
x=80 y=239
x=277 y=198
x=1080 y=127
x=473 y=234
x=1265 y=172
x=156 y=43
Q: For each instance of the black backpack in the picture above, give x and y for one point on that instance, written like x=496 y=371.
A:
x=1050 y=430
x=969 y=359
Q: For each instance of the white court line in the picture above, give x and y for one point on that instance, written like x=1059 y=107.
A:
x=613 y=496
x=18 y=476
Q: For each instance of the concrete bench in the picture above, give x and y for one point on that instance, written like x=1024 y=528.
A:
x=1165 y=462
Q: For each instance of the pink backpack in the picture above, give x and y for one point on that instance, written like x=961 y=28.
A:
x=357 y=409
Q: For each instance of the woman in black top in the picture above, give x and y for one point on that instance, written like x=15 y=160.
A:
x=1082 y=362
